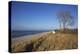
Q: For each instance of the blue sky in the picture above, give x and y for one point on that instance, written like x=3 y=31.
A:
x=38 y=16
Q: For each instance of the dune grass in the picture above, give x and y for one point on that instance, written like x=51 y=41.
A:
x=46 y=42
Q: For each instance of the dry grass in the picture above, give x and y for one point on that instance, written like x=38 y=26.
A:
x=46 y=42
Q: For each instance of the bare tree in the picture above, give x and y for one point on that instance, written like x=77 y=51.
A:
x=65 y=18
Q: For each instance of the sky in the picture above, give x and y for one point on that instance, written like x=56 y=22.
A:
x=39 y=16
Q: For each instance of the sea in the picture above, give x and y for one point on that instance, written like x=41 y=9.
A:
x=23 y=33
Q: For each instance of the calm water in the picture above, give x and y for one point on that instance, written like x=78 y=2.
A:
x=22 y=33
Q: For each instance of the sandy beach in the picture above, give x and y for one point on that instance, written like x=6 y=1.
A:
x=29 y=36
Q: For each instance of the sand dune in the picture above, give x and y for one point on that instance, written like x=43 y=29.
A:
x=45 y=41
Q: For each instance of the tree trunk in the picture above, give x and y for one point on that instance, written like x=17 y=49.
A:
x=63 y=26
x=60 y=25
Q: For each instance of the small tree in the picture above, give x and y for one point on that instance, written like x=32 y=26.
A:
x=65 y=18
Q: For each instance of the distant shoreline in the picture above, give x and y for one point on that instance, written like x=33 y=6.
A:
x=15 y=34
x=30 y=36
